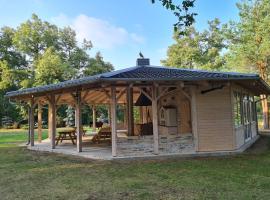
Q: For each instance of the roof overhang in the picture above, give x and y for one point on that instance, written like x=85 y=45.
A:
x=144 y=75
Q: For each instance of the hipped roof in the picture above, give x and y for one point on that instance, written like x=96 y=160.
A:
x=150 y=74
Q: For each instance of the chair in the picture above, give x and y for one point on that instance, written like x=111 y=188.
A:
x=104 y=133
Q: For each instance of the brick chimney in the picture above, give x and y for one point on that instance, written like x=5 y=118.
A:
x=143 y=61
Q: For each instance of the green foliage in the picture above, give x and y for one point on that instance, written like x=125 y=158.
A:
x=6 y=76
x=185 y=52
x=250 y=41
x=39 y=53
x=50 y=68
x=198 y=50
x=70 y=116
x=181 y=12
x=34 y=36
x=97 y=65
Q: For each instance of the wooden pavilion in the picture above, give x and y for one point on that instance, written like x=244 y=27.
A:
x=189 y=111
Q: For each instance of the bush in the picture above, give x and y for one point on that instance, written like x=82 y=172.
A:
x=24 y=126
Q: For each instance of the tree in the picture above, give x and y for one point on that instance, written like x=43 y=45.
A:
x=97 y=66
x=50 y=68
x=12 y=72
x=212 y=43
x=185 y=52
x=39 y=53
x=250 y=44
x=181 y=11
x=32 y=38
x=198 y=50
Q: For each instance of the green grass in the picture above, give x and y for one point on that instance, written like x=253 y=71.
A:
x=17 y=135
x=27 y=174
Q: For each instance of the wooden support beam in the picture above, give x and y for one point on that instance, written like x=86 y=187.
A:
x=145 y=93
x=163 y=93
x=85 y=95
x=32 y=122
x=106 y=93
x=52 y=119
x=39 y=122
x=49 y=122
x=130 y=111
x=186 y=94
x=194 y=116
x=100 y=97
x=90 y=96
x=94 y=118
x=121 y=93
x=113 y=122
x=78 y=121
x=57 y=99
x=155 y=119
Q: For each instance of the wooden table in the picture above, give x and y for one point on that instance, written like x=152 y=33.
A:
x=68 y=134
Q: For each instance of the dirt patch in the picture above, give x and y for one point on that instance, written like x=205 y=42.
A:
x=260 y=146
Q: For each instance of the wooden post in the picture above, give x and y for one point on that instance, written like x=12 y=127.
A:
x=109 y=115
x=130 y=111
x=52 y=120
x=39 y=122
x=94 y=118
x=194 y=116
x=155 y=119
x=32 y=122
x=113 y=120
x=49 y=122
x=78 y=121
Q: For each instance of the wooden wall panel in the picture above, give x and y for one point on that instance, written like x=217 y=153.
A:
x=214 y=113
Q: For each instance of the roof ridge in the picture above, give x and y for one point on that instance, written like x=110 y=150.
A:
x=115 y=72
x=205 y=71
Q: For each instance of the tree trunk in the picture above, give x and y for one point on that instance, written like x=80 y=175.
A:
x=262 y=69
x=265 y=112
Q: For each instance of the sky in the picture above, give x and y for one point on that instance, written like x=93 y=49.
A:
x=119 y=29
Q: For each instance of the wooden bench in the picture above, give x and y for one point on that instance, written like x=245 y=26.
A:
x=103 y=134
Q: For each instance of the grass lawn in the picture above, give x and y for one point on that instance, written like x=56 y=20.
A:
x=26 y=174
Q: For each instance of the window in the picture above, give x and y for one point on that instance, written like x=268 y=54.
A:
x=252 y=109
x=237 y=109
x=244 y=110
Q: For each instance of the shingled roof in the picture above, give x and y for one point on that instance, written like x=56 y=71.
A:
x=142 y=73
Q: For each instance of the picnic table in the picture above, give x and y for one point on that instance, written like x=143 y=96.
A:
x=105 y=134
x=66 y=134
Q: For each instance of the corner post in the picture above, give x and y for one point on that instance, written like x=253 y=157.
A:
x=130 y=110
x=155 y=119
x=113 y=121
x=194 y=118
x=78 y=121
x=32 y=122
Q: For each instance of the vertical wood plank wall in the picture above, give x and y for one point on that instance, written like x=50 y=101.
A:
x=215 y=127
